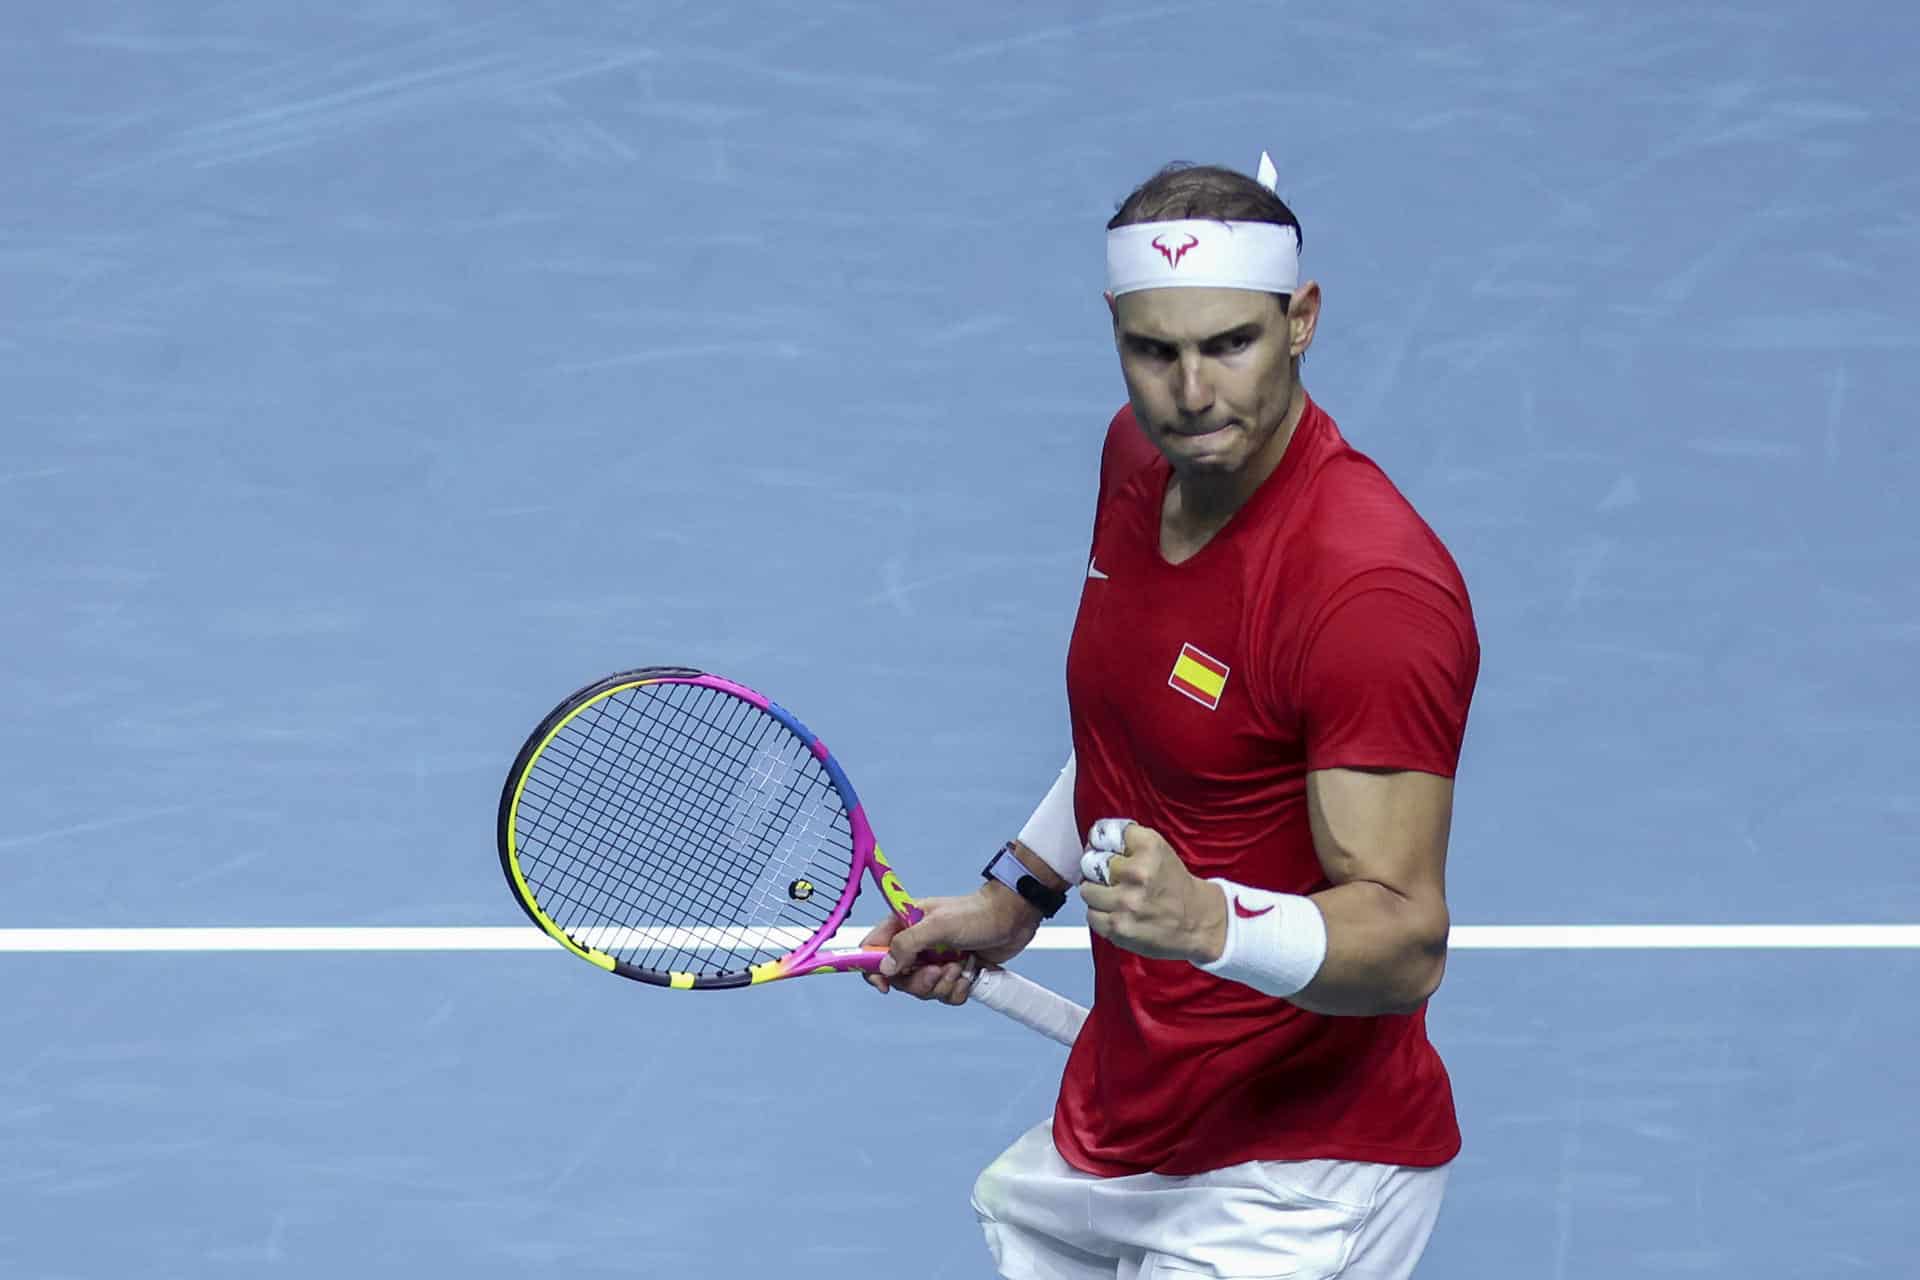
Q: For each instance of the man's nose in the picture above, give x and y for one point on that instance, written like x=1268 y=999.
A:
x=1192 y=394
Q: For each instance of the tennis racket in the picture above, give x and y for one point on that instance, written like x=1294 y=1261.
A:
x=679 y=829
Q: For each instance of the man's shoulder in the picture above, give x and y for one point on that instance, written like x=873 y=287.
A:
x=1355 y=523
x=1126 y=452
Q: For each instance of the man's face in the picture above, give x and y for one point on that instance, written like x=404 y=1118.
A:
x=1209 y=372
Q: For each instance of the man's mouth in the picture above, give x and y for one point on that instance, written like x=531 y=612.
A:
x=1198 y=433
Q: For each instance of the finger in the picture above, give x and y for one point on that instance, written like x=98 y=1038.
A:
x=906 y=944
x=1114 y=868
x=881 y=934
x=937 y=931
x=877 y=982
x=949 y=978
x=921 y=983
x=953 y=986
x=1109 y=834
x=1100 y=922
x=1093 y=865
x=963 y=984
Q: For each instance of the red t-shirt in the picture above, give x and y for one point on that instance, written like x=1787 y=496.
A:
x=1325 y=626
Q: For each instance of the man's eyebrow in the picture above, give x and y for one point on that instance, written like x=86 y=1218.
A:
x=1247 y=328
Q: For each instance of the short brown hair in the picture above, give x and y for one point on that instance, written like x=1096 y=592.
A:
x=1204 y=191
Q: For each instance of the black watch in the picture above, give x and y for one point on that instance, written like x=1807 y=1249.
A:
x=1006 y=867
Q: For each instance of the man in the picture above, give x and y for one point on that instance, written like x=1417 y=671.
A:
x=1268 y=680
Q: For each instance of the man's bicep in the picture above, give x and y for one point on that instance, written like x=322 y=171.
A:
x=1385 y=826
x=1386 y=677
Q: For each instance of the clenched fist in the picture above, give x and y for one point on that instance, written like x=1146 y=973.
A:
x=1150 y=903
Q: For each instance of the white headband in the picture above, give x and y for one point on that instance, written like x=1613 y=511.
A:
x=1205 y=253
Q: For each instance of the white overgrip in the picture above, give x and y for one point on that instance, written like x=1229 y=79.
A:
x=1029 y=1004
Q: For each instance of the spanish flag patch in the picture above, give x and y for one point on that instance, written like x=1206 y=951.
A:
x=1199 y=675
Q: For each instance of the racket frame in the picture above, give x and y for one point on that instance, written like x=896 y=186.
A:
x=811 y=956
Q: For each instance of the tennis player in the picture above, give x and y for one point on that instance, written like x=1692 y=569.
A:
x=1268 y=680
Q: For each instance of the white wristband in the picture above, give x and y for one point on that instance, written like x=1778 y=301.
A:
x=1276 y=942
x=1052 y=832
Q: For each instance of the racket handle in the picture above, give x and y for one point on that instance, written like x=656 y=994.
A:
x=1029 y=1004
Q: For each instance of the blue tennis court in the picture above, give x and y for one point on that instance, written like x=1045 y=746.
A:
x=376 y=375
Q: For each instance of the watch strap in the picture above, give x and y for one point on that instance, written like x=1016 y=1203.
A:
x=1006 y=867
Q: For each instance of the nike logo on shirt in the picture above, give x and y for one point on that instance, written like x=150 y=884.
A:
x=1093 y=571
x=1240 y=909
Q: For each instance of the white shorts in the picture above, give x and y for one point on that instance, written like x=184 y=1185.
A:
x=1301 y=1219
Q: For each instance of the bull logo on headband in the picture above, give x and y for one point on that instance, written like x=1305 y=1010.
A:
x=1174 y=252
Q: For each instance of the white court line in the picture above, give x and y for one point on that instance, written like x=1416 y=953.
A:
x=1569 y=937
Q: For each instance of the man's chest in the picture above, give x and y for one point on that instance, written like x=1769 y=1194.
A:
x=1174 y=665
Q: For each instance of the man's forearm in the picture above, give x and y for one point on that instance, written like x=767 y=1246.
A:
x=1386 y=952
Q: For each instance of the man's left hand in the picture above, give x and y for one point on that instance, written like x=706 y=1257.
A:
x=1152 y=905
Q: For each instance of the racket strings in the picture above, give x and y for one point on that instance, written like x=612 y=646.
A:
x=611 y=811
x=780 y=763
x=673 y=826
x=593 y=813
x=581 y=884
x=781 y=781
x=594 y=896
x=602 y=808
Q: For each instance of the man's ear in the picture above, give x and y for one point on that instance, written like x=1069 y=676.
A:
x=1303 y=318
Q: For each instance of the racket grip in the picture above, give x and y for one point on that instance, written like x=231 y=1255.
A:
x=1029 y=1004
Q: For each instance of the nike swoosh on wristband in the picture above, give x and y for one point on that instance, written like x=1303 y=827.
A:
x=1240 y=909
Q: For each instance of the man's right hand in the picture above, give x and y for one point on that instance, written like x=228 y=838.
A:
x=993 y=924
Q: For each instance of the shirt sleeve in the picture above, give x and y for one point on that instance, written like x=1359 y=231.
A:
x=1387 y=677
x=1124 y=451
